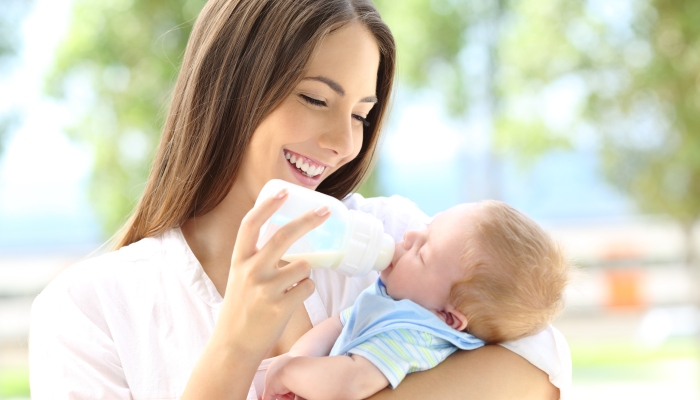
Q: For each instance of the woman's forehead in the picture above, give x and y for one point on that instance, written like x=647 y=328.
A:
x=349 y=57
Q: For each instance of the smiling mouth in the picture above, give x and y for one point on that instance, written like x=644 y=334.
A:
x=304 y=165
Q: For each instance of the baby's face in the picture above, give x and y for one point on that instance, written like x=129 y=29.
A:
x=427 y=263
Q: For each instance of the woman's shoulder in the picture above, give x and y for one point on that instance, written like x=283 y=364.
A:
x=85 y=279
x=548 y=351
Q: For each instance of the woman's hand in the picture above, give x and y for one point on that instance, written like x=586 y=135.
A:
x=261 y=295
x=259 y=301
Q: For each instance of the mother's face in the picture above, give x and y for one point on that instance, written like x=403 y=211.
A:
x=318 y=127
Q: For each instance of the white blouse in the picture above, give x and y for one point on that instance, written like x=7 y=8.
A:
x=132 y=323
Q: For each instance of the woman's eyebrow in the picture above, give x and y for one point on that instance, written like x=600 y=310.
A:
x=335 y=86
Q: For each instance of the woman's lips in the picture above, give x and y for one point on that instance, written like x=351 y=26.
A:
x=307 y=166
x=304 y=179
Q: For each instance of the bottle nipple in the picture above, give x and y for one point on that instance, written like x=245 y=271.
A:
x=386 y=253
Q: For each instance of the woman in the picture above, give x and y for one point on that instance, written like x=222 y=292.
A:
x=188 y=306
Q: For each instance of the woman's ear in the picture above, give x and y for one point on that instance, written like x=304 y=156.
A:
x=453 y=317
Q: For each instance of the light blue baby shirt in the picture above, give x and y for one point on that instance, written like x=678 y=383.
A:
x=398 y=337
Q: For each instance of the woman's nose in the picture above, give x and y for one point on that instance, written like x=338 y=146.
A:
x=338 y=139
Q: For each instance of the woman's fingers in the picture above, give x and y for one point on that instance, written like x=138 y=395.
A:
x=300 y=291
x=292 y=275
x=249 y=230
x=280 y=242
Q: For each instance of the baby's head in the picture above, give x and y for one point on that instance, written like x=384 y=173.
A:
x=482 y=267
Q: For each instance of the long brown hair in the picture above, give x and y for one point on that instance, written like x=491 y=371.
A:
x=243 y=58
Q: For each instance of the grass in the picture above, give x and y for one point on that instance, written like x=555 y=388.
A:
x=629 y=361
x=627 y=352
x=14 y=382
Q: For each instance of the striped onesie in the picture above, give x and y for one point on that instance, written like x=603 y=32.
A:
x=398 y=337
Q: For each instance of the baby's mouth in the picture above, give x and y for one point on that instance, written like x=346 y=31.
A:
x=304 y=165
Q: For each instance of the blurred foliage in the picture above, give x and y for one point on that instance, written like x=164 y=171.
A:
x=623 y=75
x=631 y=68
x=654 y=153
x=430 y=35
x=474 y=52
x=12 y=13
x=120 y=59
x=638 y=64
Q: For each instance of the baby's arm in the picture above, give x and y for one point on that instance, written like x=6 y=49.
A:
x=336 y=377
x=319 y=341
x=305 y=371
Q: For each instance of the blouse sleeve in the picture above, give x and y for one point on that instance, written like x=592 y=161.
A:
x=71 y=351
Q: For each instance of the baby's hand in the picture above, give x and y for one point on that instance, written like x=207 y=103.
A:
x=274 y=388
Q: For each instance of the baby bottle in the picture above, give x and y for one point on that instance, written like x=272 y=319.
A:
x=350 y=242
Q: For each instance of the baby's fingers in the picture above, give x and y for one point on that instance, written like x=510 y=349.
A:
x=249 y=230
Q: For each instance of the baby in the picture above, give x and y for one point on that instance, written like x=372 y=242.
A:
x=480 y=273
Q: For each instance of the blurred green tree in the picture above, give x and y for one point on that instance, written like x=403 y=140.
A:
x=633 y=68
x=119 y=62
x=471 y=51
x=560 y=73
x=651 y=123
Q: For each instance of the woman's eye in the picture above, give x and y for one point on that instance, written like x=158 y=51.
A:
x=312 y=101
x=363 y=120
x=321 y=103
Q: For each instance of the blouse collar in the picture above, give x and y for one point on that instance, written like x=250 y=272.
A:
x=179 y=256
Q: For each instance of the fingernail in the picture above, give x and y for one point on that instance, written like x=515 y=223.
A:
x=321 y=211
x=281 y=193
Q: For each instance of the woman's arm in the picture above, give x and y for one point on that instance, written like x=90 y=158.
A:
x=490 y=372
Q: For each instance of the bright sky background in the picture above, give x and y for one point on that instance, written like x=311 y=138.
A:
x=42 y=173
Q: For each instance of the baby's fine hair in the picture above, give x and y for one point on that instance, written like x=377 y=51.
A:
x=516 y=275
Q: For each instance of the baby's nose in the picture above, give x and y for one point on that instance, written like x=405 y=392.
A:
x=399 y=251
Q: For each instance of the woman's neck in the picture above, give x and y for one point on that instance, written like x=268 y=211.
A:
x=211 y=237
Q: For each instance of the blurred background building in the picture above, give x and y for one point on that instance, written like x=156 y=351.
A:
x=583 y=114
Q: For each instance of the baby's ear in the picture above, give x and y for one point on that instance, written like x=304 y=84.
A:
x=453 y=317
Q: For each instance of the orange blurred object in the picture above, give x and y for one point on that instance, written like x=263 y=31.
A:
x=624 y=283
x=625 y=288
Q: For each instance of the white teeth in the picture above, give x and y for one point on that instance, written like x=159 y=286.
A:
x=309 y=170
